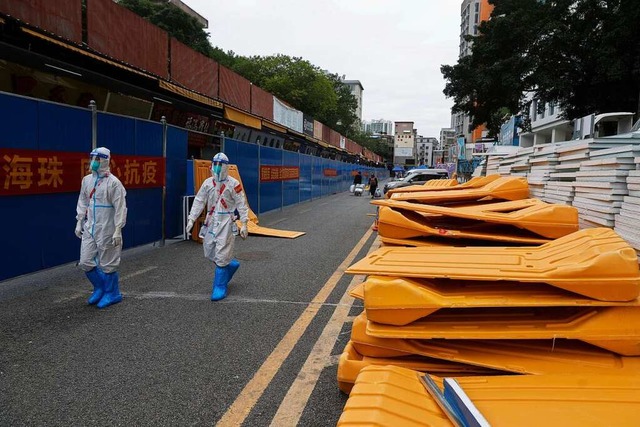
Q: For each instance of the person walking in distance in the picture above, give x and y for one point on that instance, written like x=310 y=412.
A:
x=373 y=184
x=223 y=195
x=357 y=179
x=101 y=213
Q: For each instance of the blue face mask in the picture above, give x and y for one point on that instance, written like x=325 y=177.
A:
x=217 y=169
x=95 y=165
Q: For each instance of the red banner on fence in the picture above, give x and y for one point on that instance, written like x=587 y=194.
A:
x=279 y=173
x=330 y=172
x=35 y=172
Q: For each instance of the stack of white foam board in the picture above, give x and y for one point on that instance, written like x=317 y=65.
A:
x=601 y=185
x=543 y=162
x=627 y=222
x=570 y=155
x=493 y=162
x=504 y=167
x=521 y=166
x=561 y=192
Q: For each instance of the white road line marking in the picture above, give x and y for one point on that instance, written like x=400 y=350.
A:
x=139 y=272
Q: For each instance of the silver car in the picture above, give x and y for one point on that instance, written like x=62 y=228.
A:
x=417 y=177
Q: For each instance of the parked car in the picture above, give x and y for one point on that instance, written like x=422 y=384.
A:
x=416 y=177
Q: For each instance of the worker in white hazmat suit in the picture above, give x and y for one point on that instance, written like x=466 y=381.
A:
x=101 y=214
x=223 y=195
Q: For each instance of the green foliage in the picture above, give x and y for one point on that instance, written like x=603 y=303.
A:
x=581 y=54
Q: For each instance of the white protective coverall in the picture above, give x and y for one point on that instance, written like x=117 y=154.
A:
x=222 y=194
x=102 y=202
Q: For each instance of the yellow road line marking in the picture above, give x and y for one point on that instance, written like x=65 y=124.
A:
x=246 y=400
x=294 y=402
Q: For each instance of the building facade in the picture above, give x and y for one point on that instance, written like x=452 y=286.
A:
x=378 y=127
x=472 y=13
x=356 y=90
x=404 y=143
x=425 y=147
x=447 y=140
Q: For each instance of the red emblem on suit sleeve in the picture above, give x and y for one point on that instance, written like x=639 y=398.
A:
x=238 y=188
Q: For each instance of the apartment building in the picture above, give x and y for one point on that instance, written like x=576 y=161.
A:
x=404 y=143
x=472 y=13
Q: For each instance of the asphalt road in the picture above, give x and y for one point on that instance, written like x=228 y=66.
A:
x=168 y=356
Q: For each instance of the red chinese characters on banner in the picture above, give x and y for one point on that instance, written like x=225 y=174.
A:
x=279 y=173
x=330 y=172
x=36 y=172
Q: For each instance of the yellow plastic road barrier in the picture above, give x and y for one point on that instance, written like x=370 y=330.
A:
x=421 y=241
x=410 y=225
x=351 y=363
x=543 y=219
x=613 y=328
x=503 y=188
x=594 y=262
x=202 y=171
x=357 y=291
x=537 y=357
x=391 y=397
x=394 y=396
x=445 y=184
x=399 y=301
x=432 y=185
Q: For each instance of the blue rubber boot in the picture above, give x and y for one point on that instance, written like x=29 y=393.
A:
x=97 y=279
x=233 y=267
x=112 y=293
x=220 y=282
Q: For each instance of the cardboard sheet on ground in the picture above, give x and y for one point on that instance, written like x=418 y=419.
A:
x=595 y=262
x=612 y=328
x=400 y=301
x=390 y=395
x=546 y=220
x=536 y=357
x=503 y=188
x=351 y=363
x=202 y=170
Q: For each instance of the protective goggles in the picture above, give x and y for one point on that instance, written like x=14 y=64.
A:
x=97 y=156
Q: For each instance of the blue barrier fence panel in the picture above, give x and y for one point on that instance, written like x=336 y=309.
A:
x=290 y=187
x=176 y=170
x=270 y=191
x=305 y=177
x=17 y=122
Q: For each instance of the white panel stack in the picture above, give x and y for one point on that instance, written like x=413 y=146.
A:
x=493 y=162
x=601 y=185
x=543 y=162
x=570 y=155
x=561 y=192
x=627 y=223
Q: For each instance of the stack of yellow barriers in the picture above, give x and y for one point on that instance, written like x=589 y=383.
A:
x=544 y=328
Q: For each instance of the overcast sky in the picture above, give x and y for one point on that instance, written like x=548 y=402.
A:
x=395 y=48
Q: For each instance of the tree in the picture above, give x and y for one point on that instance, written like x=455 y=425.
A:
x=581 y=54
